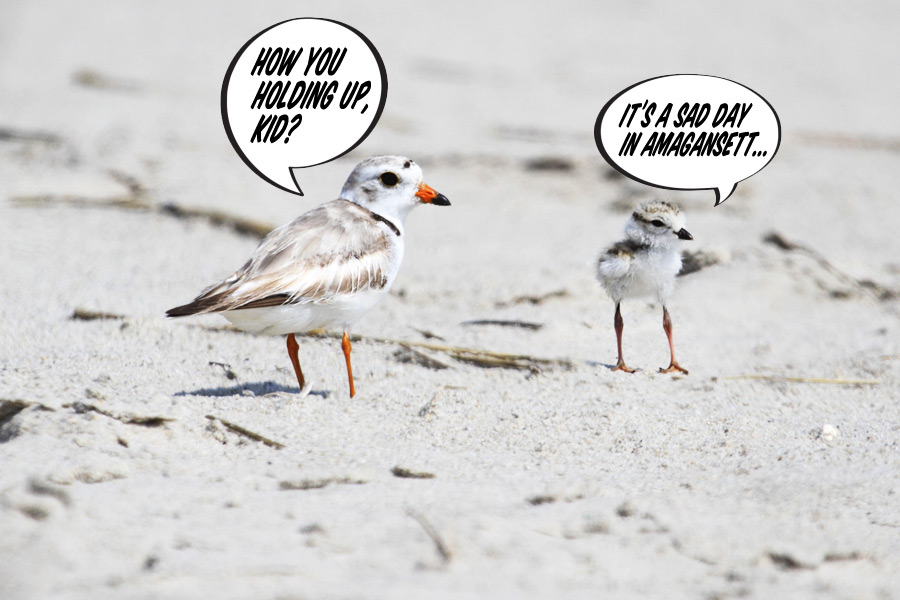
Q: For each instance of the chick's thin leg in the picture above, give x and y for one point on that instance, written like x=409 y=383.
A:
x=620 y=325
x=673 y=364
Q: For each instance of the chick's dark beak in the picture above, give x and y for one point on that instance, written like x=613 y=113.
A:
x=427 y=195
x=684 y=234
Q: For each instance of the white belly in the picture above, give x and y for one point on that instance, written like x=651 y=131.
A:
x=644 y=274
x=339 y=313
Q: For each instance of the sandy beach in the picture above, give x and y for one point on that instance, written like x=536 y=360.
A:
x=144 y=457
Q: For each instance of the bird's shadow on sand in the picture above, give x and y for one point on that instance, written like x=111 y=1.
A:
x=594 y=363
x=256 y=388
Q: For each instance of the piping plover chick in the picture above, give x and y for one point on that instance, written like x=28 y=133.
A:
x=645 y=263
x=329 y=266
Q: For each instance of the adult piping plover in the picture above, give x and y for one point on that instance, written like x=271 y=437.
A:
x=645 y=263
x=329 y=266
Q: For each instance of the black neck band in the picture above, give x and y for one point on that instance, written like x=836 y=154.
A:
x=386 y=222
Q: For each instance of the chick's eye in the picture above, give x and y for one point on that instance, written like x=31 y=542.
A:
x=389 y=179
x=657 y=223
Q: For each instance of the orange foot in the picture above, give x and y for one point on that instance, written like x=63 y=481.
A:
x=674 y=366
x=621 y=366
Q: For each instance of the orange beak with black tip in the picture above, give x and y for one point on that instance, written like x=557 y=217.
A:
x=428 y=196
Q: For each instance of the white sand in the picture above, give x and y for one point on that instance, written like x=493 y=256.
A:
x=573 y=482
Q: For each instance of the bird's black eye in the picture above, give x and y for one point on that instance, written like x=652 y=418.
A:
x=389 y=179
x=654 y=222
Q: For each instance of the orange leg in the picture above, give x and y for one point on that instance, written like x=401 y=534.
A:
x=620 y=325
x=673 y=364
x=292 y=347
x=345 y=346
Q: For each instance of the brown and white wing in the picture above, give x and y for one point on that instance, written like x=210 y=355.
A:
x=335 y=249
x=617 y=259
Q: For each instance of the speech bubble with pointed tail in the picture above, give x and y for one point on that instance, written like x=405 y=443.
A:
x=301 y=93
x=688 y=132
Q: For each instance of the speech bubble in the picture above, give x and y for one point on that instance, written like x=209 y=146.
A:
x=688 y=132
x=301 y=93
